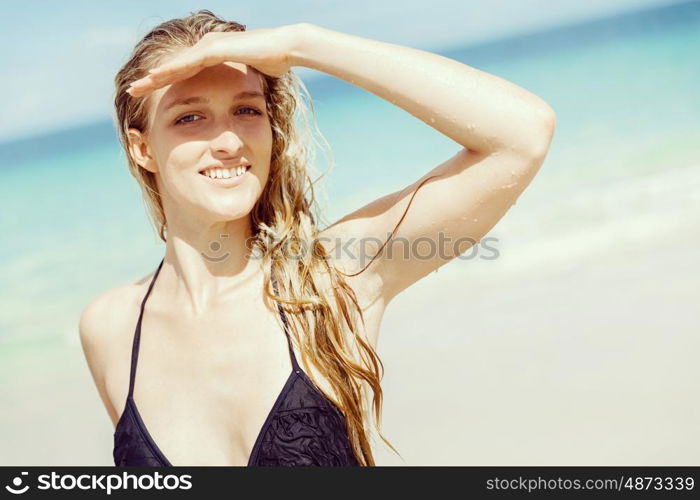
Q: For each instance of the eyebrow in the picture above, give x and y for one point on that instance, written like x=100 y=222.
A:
x=199 y=99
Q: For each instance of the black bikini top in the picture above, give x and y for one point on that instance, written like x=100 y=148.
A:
x=303 y=427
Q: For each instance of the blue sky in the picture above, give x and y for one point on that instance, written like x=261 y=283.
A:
x=59 y=58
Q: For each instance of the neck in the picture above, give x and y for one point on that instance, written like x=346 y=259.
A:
x=203 y=267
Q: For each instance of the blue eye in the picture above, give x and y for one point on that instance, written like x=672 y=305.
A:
x=182 y=120
x=255 y=111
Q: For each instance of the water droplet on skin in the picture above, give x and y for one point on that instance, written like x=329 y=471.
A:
x=476 y=220
x=432 y=120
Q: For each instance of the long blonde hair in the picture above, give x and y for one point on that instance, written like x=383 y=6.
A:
x=282 y=217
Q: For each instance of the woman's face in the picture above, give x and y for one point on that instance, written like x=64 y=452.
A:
x=217 y=118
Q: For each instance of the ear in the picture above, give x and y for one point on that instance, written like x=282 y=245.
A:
x=138 y=148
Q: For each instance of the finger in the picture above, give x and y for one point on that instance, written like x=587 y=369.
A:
x=157 y=80
x=138 y=91
x=183 y=67
x=141 y=87
x=153 y=82
x=171 y=67
x=141 y=83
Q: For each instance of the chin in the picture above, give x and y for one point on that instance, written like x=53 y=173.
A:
x=221 y=213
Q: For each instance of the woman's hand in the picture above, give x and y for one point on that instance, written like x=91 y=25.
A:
x=268 y=50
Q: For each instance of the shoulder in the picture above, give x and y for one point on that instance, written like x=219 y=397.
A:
x=105 y=328
x=103 y=315
x=102 y=327
x=108 y=312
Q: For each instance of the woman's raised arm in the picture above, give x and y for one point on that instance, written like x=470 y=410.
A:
x=504 y=130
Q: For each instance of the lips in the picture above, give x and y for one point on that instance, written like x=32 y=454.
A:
x=226 y=182
x=225 y=167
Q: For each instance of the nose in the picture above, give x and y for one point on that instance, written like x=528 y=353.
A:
x=226 y=142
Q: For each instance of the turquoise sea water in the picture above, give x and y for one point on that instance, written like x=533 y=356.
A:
x=624 y=161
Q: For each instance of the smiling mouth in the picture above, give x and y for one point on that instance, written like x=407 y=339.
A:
x=225 y=173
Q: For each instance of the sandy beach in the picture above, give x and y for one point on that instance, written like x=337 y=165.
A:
x=588 y=365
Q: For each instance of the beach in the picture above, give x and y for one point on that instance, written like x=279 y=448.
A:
x=590 y=364
x=568 y=338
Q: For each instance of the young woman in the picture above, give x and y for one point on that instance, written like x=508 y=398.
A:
x=205 y=111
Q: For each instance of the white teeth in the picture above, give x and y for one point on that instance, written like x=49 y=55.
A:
x=224 y=173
